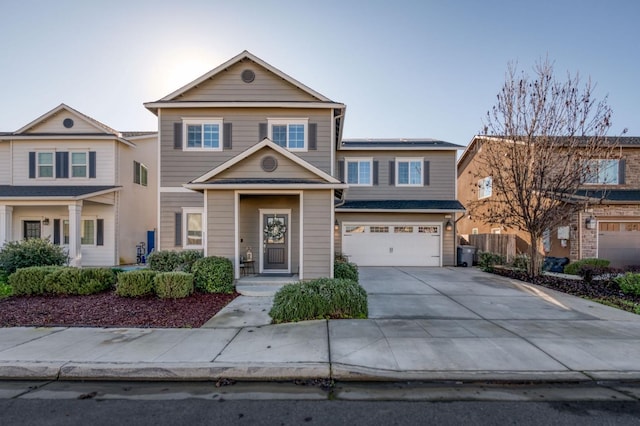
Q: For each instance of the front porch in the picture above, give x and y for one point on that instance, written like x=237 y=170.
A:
x=263 y=285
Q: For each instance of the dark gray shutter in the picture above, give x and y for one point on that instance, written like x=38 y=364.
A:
x=62 y=164
x=56 y=231
x=426 y=173
x=92 y=164
x=621 y=171
x=375 y=173
x=178 y=230
x=341 y=170
x=100 y=232
x=392 y=172
x=313 y=136
x=177 y=135
x=227 y=135
x=32 y=165
x=262 y=131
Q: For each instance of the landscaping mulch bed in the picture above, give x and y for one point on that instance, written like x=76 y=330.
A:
x=109 y=310
x=604 y=291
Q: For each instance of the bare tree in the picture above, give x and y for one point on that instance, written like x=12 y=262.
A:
x=542 y=136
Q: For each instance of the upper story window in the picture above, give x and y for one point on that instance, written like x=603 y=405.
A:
x=359 y=171
x=485 y=187
x=203 y=135
x=409 y=172
x=45 y=164
x=289 y=133
x=140 y=173
x=603 y=172
x=79 y=164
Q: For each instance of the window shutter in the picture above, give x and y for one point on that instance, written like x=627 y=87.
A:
x=59 y=164
x=392 y=172
x=375 y=172
x=262 y=131
x=92 y=164
x=341 y=170
x=426 y=173
x=32 y=165
x=227 y=135
x=177 y=135
x=65 y=164
x=621 y=171
x=178 y=230
x=56 y=231
x=313 y=136
x=100 y=232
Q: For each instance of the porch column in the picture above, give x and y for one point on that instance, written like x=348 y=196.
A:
x=75 y=233
x=6 y=222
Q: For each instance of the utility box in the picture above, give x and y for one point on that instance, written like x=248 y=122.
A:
x=465 y=255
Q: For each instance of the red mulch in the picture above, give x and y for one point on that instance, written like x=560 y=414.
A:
x=108 y=310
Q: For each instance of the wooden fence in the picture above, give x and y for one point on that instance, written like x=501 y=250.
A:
x=504 y=244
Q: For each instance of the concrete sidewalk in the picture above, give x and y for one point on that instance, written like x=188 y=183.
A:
x=425 y=324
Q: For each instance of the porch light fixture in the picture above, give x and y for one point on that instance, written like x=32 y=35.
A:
x=45 y=221
x=448 y=226
x=336 y=226
x=590 y=223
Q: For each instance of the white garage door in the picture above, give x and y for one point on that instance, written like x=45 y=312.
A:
x=619 y=242
x=384 y=244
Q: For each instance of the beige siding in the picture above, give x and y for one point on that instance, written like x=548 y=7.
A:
x=54 y=124
x=317 y=233
x=170 y=204
x=5 y=163
x=220 y=224
x=442 y=177
x=179 y=166
x=251 y=168
x=228 y=86
x=105 y=161
x=448 y=237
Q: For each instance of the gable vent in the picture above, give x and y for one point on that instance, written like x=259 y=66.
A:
x=269 y=163
x=248 y=76
x=67 y=123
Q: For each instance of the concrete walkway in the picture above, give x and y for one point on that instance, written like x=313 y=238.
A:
x=425 y=324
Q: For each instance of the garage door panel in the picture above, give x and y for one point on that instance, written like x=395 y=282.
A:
x=619 y=242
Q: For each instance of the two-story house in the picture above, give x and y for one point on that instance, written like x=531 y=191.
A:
x=609 y=228
x=87 y=187
x=252 y=165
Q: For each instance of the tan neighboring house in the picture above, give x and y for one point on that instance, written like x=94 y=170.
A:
x=609 y=228
x=87 y=187
x=252 y=165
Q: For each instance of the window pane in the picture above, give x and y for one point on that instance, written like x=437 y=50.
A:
x=194 y=136
x=65 y=232
x=78 y=164
x=352 y=172
x=415 y=173
x=296 y=136
x=87 y=230
x=211 y=136
x=279 y=134
x=143 y=175
x=403 y=173
x=45 y=158
x=609 y=172
x=194 y=229
x=365 y=173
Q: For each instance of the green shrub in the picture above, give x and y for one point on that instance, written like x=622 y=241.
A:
x=173 y=285
x=105 y=277
x=345 y=270
x=31 y=281
x=171 y=261
x=340 y=257
x=77 y=281
x=31 y=252
x=213 y=275
x=135 y=283
x=574 y=267
x=320 y=298
x=629 y=283
x=5 y=290
x=486 y=261
x=521 y=261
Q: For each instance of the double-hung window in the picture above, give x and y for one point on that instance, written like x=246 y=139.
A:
x=193 y=228
x=203 y=135
x=289 y=133
x=359 y=171
x=45 y=164
x=79 y=164
x=87 y=232
x=139 y=173
x=409 y=172
x=602 y=172
x=485 y=187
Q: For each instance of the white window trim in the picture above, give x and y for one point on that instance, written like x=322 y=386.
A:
x=482 y=188
x=409 y=159
x=282 y=121
x=53 y=165
x=186 y=122
x=358 y=160
x=185 y=212
x=86 y=164
x=141 y=167
x=599 y=160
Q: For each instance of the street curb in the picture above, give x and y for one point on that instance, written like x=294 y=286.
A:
x=30 y=370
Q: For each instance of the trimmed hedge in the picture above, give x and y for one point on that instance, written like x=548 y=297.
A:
x=213 y=275
x=136 y=283
x=486 y=261
x=319 y=299
x=40 y=280
x=345 y=270
x=629 y=283
x=574 y=267
x=172 y=261
x=32 y=252
x=173 y=285
x=31 y=281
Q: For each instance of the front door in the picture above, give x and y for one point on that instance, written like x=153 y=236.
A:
x=275 y=228
x=31 y=229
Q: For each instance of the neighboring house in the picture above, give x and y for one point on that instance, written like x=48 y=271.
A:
x=87 y=187
x=608 y=229
x=252 y=165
